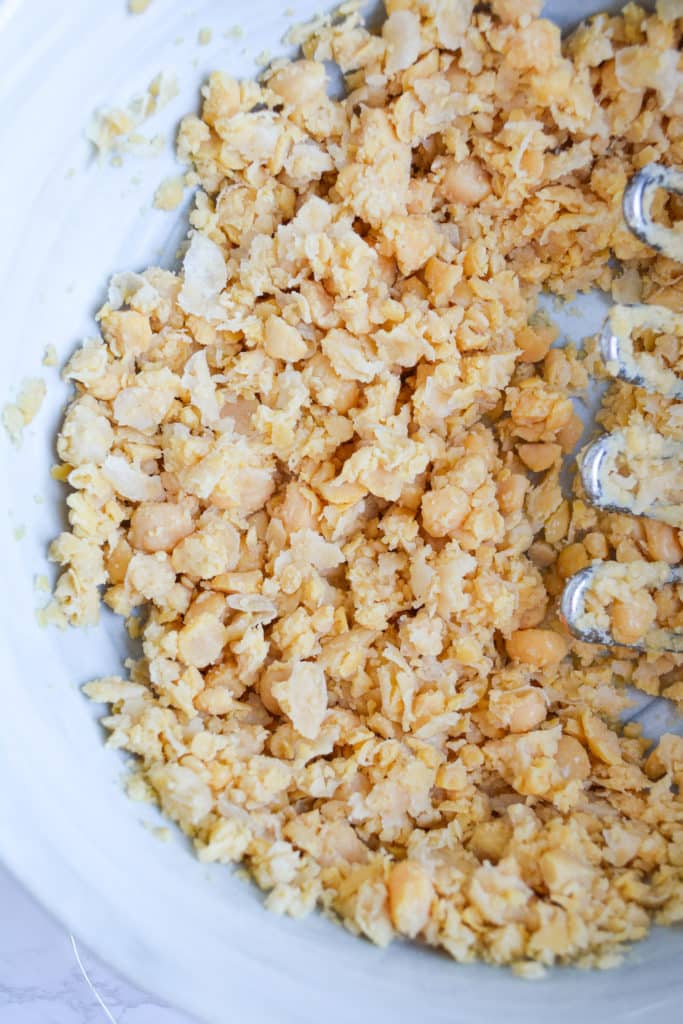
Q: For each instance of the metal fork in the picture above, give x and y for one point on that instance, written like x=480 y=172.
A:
x=604 y=486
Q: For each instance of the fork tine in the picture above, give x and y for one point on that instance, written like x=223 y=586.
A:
x=607 y=487
x=573 y=613
x=593 y=464
x=573 y=608
x=599 y=463
x=637 y=206
x=643 y=370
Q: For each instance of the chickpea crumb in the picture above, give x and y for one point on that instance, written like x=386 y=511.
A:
x=169 y=194
x=50 y=356
x=16 y=416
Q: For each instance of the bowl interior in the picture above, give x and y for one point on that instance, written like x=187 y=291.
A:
x=196 y=936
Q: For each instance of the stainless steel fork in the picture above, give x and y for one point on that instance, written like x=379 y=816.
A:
x=605 y=463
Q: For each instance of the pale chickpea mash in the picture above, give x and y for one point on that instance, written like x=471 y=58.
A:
x=317 y=472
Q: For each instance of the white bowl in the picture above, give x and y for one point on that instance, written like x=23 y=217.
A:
x=198 y=938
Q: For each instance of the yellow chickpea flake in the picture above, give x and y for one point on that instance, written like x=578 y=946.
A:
x=318 y=473
x=169 y=194
x=16 y=416
x=116 y=131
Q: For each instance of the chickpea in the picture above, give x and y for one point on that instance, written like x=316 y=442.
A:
x=627 y=550
x=572 y=759
x=475 y=261
x=223 y=99
x=602 y=742
x=282 y=341
x=300 y=509
x=560 y=415
x=539 y=457
x=452 y=776
x=596 y=545
x=443 y=510
x=466 y=182
x=532 y=162
x=427 y=705
x=225 y=676
x=517 y=710
x=489 y=839
x=570 y=434
x=533 y=608
x=514 y=10
x=541 y=554
x=127 y=332
x=572 y=559
x=458 y=80
x=553 y=582
x=528 y=710
x=666 y=758
x=276 y=673
x=238 y=582
x=421 y=195
x=538 y=647
x=215 y=700
x=340 y=492
x=299 y=83
x=471 y=756
x=662 y=542
x=557 y=369
x=413 y=285
x=557 y=524
x=472 y=471
x=202 y=332
x=159 y=526
x=410 y=897
x=208 y=603
x=221 y=774
x=201 y=642
x=534 y=342
x=632 y=619
x=442 y=278
x=412 y=492
x=668 y=604
x=328 y=388
x=117 y=562
x=511 y=493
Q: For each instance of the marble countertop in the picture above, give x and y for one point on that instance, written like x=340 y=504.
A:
x=41 y=981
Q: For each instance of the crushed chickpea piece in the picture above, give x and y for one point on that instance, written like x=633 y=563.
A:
x=16 y=416
x=115 y=131
x=322 y=466
x=169 y=194
x=50 y=356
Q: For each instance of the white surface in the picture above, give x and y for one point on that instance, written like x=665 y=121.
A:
x=196 y=937
x=41 y=982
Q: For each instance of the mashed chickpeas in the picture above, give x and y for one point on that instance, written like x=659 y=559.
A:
x=318 y=473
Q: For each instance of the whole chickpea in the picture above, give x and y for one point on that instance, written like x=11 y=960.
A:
x=159 y=526
x=572 y=559
x=528 y=711
x=572 y=759
x=538 y=647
